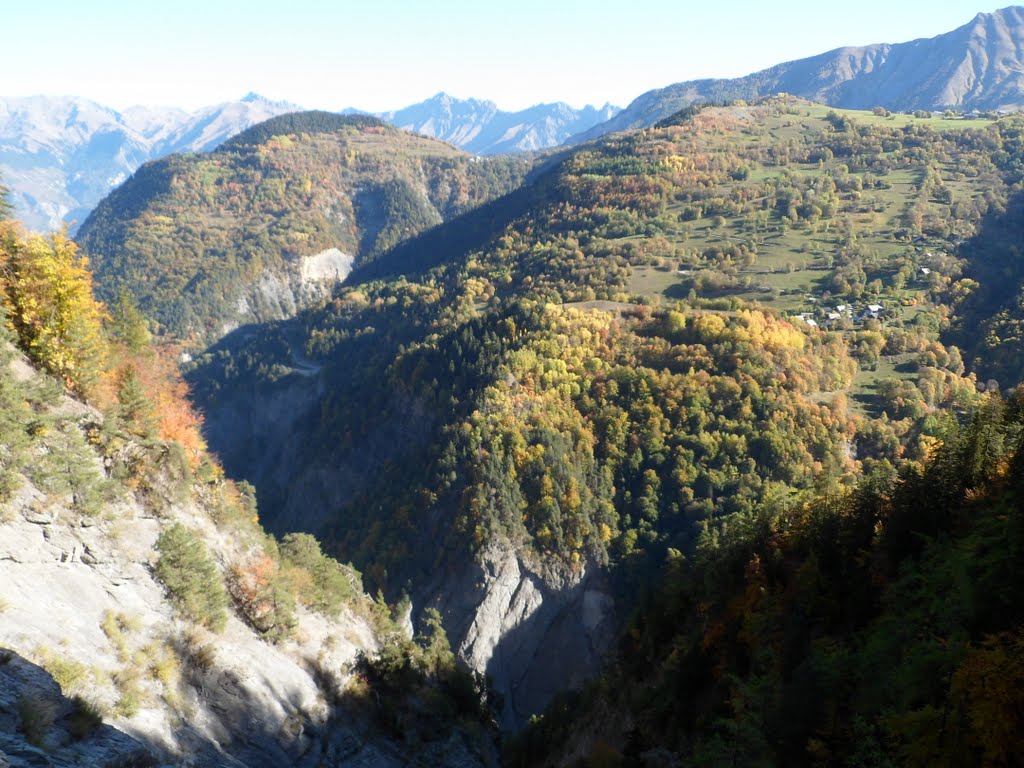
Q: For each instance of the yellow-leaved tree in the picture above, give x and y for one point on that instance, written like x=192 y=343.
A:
x=48 y=289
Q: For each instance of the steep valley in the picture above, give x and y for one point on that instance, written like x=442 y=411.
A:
x=503 y=609
x=698 y=444
x=146 y=618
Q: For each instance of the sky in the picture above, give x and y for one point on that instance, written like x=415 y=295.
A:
x=377 y=55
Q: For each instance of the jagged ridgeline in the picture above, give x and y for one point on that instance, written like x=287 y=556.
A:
x=273 y=218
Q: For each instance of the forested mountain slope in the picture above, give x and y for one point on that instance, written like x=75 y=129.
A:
x=273 y=218
x=878 y=626
x=659 y=335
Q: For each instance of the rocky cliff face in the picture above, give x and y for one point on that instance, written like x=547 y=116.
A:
x=32 y=701
x=532 y=630
x=302 y=283
x=65 y=581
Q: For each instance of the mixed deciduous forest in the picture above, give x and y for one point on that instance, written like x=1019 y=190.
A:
x=624 y=362
x=881 y=625
x=756 y=362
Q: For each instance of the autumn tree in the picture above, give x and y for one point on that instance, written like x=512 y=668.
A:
x=53 y=312
x=262 y=597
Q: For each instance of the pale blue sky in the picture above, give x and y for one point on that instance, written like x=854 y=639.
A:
x=383 y=54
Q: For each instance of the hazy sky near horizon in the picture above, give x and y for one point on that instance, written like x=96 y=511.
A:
x=385 y=54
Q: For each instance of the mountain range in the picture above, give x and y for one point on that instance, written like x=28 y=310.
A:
x=480 y=127
x=979 y=66
x=60 y=156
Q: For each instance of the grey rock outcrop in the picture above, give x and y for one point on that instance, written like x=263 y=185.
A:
x=276 y=295
x=534 y=631
x=257 y=703
x=38 y=726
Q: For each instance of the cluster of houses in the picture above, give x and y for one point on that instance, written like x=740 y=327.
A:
x=828 y=317
x=974 y=114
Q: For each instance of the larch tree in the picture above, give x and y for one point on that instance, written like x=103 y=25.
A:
x=58 y=322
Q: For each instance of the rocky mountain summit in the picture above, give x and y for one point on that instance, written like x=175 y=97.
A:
x=979 y=66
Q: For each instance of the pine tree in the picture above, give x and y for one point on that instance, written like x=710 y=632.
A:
x=188 y=572
x=134 y=409
x=129 y=324
x=6 y=207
